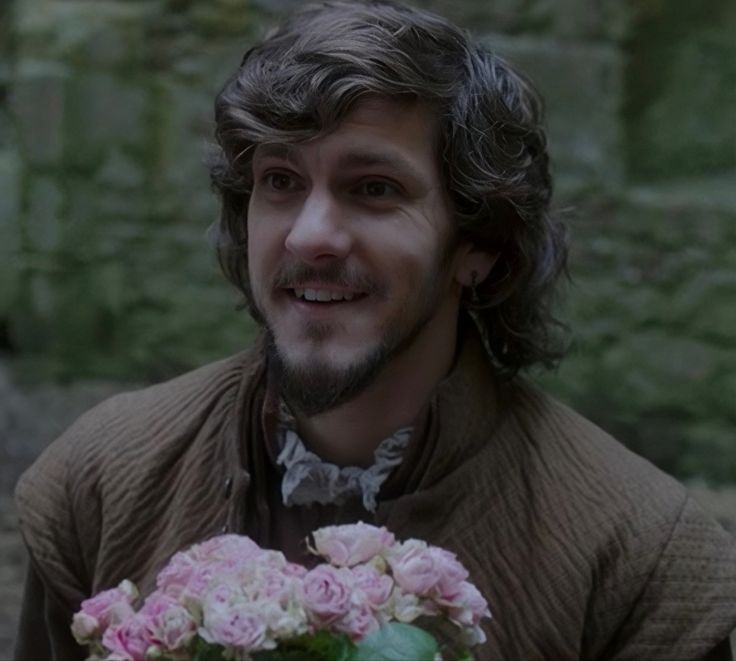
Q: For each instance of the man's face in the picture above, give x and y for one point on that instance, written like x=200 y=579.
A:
x=348 y=251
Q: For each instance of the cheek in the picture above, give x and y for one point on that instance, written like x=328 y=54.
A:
x=257 y=260
x=264 y=244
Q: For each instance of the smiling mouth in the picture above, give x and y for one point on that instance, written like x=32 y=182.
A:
x=311 y=295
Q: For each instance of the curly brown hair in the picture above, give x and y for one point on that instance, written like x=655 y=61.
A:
x=303 y=78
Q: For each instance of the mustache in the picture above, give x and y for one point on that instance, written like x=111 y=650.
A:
x=296 y=275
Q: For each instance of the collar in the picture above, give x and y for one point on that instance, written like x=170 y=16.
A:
x=444 y=434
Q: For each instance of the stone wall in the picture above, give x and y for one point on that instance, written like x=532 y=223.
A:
x=105 y=270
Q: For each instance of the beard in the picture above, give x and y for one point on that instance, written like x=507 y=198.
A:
x=315 y=386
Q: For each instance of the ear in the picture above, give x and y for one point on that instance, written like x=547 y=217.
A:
x=473 y=261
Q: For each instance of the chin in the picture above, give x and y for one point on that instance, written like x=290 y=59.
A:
x=322 y=356
x=315 y=379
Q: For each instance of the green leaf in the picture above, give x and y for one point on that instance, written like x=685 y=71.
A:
x=331 y=647
x=396 y=642
x=204 y=651
x=322 y=646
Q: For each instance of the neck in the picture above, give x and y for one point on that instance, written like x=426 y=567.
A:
x=349 y=434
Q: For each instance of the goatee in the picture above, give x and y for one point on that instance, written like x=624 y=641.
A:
x=318 y=387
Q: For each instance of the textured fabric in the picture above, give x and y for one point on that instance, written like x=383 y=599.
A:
x=308 y=480
x=584 y=550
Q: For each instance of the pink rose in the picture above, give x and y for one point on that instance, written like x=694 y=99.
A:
x=327 y=593
x=295 y=570
x=283 y=623
x=200 y=580
x=450 y=571
x=376 y=586
x=274 y=559
x=225 y=546
x=177 y=574
x=238 y=625
x=349 y=545
x=276 y=586
x=468 y=606
x=358 y=622
x=171 y=625
x=128 y=641
x=84 y=627
x=240 y=566
x=413 y=567
x=104 y=609
x=406 y=607
x=222 y=594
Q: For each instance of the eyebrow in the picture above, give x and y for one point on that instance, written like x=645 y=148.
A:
x=275 y=149
x=354 y=159
x=367 y=158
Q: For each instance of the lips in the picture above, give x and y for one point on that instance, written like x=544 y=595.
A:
x=333 y=283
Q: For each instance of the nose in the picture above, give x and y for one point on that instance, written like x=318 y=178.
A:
x=319 y=233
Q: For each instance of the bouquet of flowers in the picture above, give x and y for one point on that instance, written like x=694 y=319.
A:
x=227 y=598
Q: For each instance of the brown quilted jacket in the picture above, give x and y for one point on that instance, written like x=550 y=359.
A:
x=583 y=549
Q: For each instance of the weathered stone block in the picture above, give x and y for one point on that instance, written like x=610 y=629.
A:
x=597 y=20
x=42 y=220
x=100 y=34
x=42 y=302
x=10 y=256
x=681 y=90
x=270 y=7
x=104 y=111
x=121 y=188
x=220 y=17
x=121 y=172
x=83 y=217
x=7 y=130
x=185 y=129
x=603 y=19
x=10 y=167
x=37 y=99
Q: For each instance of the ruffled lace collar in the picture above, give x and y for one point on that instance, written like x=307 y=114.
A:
x=308 y=479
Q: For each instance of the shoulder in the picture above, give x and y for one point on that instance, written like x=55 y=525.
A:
x=123 y=448
x=583 y=479
x=652 y=556
x=573 y=456
x=543 y=473
x=129 y=422
x=614 y=546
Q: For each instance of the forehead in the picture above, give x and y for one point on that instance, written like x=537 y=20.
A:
x=376 y=131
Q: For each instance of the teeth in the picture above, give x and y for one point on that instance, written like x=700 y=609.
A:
x=322 y=295
x=336 y=296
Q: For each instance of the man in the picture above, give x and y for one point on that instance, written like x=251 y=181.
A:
x=385 y=211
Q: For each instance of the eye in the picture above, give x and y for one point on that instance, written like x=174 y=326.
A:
x=377 y=188
x=280 y=181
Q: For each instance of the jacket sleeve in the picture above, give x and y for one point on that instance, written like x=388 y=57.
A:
x=686 y=608
x=43 y=631
x=57 y=580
